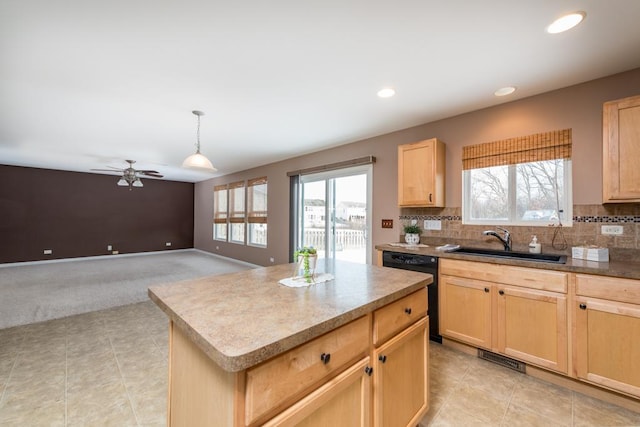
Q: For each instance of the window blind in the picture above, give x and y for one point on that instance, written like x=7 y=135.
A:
x=257 y=200
x=220 y=204
x=525 y=149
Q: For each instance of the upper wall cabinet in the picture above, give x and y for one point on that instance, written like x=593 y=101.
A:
x=421 y=174
x=621 y=151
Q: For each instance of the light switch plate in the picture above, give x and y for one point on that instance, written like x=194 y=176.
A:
x=387 y=223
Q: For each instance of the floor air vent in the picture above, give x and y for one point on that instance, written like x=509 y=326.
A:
x=502 y=360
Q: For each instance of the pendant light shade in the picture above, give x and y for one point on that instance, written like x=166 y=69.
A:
x=197 y=160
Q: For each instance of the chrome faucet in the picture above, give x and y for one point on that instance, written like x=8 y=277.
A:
x=506 y=240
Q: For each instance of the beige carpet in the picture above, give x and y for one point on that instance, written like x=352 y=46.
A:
x=35 y=292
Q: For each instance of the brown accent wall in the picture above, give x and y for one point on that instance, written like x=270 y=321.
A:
x=577 y=107
x=78 y=214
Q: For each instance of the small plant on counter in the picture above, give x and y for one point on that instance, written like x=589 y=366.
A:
x=412 y=234
x=304 y=255
x=412 y=229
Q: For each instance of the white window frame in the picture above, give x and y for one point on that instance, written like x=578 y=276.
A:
x=256 y=217
x=219 y=215
x=566 y=216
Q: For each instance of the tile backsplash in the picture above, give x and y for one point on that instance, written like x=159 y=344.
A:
x=585 y=230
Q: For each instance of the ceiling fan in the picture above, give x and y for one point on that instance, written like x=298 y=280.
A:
x=130 y=176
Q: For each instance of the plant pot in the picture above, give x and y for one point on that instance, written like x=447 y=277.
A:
x=412 y=238
x=302 y=271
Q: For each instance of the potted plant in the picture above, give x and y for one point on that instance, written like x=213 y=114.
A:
x=306 y=258
x=412 y=234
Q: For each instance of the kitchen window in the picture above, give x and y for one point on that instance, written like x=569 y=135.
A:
x=519 y=181
x=257 y=212
x=236 y=212
x=220 y=212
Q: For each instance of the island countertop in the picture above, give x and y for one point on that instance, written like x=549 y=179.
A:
x=241 y=319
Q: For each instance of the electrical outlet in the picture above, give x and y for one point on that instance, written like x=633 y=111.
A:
x=48 y=251
x=432 y=224
x=272 y=259
x=611 y=230
x=109 y=247
x=168 y=244
x=387 y=223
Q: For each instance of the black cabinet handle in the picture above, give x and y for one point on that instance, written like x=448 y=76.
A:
x=407 y=310
x=368 y=370
x=501 y=292
x=382 y=358
x=325 y=357
x=486 y=289
x=430 y=197
x=583 y=306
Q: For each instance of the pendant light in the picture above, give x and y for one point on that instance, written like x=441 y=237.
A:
x=197 y=160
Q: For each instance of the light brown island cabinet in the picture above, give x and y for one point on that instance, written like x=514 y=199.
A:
x=606 y=334
x=331 y=379
x=516 y=311
x=621 y=150
x=401 y=348
x=421 y=173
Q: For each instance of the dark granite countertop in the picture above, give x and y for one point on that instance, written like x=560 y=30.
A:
x=627 y=269
x=242 y=319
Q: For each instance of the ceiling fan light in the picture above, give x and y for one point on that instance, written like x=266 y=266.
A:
x=123 y=183
x=137 y=183
x=198 y=161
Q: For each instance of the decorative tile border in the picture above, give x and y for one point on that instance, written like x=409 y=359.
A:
x=614 y=218
x=576 y=218
x=432 y=217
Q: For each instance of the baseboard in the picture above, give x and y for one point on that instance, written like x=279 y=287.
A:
x=573 y=384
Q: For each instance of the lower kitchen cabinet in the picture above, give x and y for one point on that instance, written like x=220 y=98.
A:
x=465 y=309
x=519 y=312
x=344 y=400
x=607 y=331
x=400 y=378
x=532 y=326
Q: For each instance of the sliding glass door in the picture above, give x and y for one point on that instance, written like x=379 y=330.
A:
x=334 y=213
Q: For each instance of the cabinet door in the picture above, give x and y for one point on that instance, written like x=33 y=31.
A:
x=400 y=378
x=344 y=400
x=465 y=310
x=621 y=149
x=607 y=348
x=532 y=326
x=421 y=174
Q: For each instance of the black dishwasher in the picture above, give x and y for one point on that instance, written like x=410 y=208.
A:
x=423 y=264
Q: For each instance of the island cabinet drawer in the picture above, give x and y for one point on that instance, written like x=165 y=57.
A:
x=532 y=278
x=609 y=288
x=394 y=317
x=279 y=382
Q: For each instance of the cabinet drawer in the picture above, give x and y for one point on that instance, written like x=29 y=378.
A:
x=533 y=278
x=392 y=318
x=610 y=288
x=280 y=381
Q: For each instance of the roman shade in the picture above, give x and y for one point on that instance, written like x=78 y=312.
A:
x=524 y=149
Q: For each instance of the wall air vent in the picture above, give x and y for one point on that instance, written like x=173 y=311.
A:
x=502 y=360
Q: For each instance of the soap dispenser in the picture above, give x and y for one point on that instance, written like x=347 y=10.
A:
x=534 y=246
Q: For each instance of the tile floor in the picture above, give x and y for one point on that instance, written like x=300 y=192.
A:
x=109 y=368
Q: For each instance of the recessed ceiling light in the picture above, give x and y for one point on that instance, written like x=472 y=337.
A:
x=386 y=92
x=503 y=91
x=566 y=22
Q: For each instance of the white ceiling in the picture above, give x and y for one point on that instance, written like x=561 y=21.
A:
x=88 y=83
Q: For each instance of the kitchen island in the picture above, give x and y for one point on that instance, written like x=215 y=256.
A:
x=246 y=350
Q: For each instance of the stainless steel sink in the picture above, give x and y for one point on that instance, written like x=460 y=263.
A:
x=525 y=256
